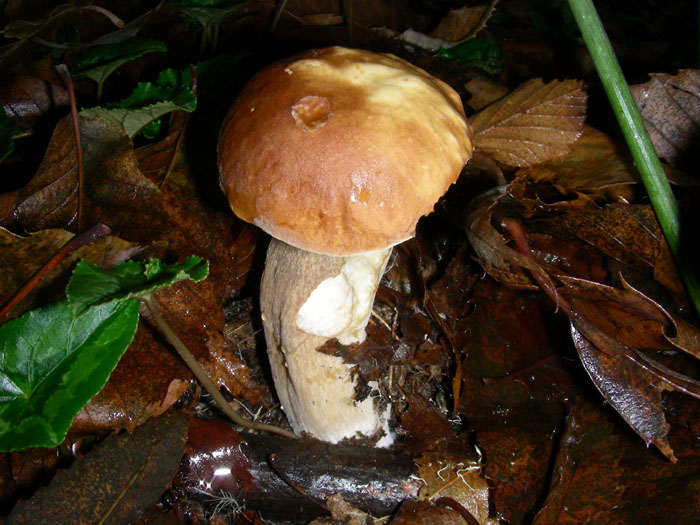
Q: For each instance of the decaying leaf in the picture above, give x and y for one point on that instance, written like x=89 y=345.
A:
x=115 y=483
x=536 y=123
x=671 y=111
x=453 y=472
x=613 y=329
x=597 y=464
x=27 y=98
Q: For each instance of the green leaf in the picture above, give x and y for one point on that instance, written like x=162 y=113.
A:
x=99 y=61
x=90 y=285
x=208 y=13
x=149 y=101
x=52 y=364
x=480 y=51
x=7 y=133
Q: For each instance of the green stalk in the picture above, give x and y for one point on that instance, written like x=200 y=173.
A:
x=638 y=141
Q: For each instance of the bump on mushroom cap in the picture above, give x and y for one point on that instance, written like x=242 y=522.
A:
x=340 y=151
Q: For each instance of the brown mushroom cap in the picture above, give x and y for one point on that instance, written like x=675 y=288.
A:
x=341 y=151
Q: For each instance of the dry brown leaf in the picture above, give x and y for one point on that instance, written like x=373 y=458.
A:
x=484 y=91
x=458 y=23
x=536 y=123
x=596 y=161
x=670 y=108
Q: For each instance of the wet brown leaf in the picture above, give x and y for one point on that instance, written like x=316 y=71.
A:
x=631 y=390
x=536 y=123
x=27 y=98
x=147 y=381
x=118 y=194
x=21 y=257
x=425 y=513
x=630 y=234
x=616 y=324
x=115 y=483
x=604 y=475
x=114 y=188
x=514 y=374
x=453 y=471
x=424 y=424
x=671 y=112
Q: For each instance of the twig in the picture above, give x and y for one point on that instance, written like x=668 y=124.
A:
x=202 y=376
x=79 y=240
x=65 y=75
x=637 y=138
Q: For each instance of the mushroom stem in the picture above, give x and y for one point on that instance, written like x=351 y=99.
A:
x=306 y=300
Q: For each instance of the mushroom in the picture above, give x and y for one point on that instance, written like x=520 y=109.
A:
x=336 y=153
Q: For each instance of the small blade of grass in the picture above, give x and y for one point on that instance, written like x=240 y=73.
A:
x=637 y=138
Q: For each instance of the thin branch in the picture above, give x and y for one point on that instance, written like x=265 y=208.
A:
x=202 y=376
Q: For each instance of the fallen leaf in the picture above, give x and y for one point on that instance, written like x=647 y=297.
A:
x=425 y=513
x=425 y=425
x=22 y=256
x=595 y=162
x=27 y=98
x=459 y=23
x=633 y=392
x=116 y=482
x=112 y=186
x=671 y=112
x=598 y=462
x=585 y=476
x=484 y=91
x=612 y=327
x=140 y=387
x=452 y=471
x=536 y=123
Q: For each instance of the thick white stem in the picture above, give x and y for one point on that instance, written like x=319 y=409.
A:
x=307 y=299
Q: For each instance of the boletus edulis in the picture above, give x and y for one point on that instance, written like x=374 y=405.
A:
x=336 y=153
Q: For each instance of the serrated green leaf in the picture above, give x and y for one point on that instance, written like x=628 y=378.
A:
x=7 y=132
x=99 y=61
x=52 y=364
x=480 y=51
x=133 y=120
x=90 y=285
x=149 y=101
x=171 y=85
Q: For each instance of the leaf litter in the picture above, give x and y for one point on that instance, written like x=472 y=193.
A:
x=481 y=363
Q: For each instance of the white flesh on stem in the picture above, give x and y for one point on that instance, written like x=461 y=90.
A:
x=307 y=299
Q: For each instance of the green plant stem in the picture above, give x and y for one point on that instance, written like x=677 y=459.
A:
x=202 y=376
x=637 y=137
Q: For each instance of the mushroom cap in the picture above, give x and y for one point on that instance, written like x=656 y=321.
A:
x=340 y=151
